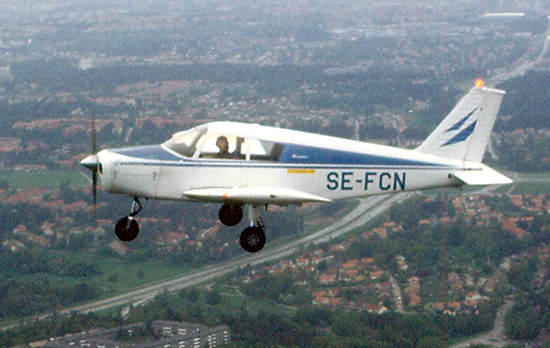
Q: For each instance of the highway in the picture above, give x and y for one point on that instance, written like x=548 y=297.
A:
x=526 y=63
x=365 y=210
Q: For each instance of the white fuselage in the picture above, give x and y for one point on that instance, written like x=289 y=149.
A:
x=169 y=179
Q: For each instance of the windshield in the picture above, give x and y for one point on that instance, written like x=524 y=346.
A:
x=184 y=143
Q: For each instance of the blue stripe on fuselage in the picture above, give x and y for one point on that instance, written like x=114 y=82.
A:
x=291 y=155
x=315 y=155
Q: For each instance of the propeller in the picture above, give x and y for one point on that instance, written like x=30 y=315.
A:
x=92 y=163
x=96 y=169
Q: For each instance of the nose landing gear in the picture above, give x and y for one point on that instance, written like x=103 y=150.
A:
x=127 y=228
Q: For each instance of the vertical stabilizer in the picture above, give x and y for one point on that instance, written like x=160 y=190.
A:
x=464 y=133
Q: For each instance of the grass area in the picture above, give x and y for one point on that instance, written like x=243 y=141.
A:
x=119 y=277
x=531 y=188
x=49 y=179
x=255 y=306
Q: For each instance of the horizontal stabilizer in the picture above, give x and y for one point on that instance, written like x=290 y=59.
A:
x=253 y=195
x=482 y=176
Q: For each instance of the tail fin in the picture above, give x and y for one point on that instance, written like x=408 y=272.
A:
x=464 y=133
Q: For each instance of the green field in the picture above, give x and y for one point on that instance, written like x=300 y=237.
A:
x=120 y=277
x=532 y=184
x=49 y=179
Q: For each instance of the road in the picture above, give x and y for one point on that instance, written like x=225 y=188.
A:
x=494 y=337
x=397 y=296
x=526 y=64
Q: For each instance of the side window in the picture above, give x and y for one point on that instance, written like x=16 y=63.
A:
x=221 y=146
x=262 y=150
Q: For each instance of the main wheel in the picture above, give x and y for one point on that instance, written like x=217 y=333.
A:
x=127 y=229
x=230 y=214
x=252 y=239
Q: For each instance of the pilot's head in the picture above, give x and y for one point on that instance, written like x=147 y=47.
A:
x=222 y=143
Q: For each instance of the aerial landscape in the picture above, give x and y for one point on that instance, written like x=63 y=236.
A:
x=435 y=268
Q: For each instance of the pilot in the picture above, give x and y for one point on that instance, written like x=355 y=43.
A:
x=223 y=145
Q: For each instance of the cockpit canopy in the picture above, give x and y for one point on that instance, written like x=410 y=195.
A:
x=201 y=142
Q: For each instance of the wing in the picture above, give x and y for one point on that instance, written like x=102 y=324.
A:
x=253 y=195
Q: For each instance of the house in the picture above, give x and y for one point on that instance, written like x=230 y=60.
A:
x=350 y=264
x=376 y=274
x=452 y=307
x=20 y=230
x=12 y=245
x=382 y=232
x=38 y=240
x=74 y=207
x=377 y=309
x=320 y=301
x=302 y=262
x=327 y=278
x=47 y=228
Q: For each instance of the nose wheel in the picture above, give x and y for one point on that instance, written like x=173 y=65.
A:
x=127 y=228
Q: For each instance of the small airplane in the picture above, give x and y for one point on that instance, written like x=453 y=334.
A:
x=248 y=165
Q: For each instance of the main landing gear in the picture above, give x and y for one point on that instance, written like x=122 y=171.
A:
x=253 y=237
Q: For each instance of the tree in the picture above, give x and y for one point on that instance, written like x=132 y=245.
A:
x=213 y=297
x=431 y=342
x=521 y=274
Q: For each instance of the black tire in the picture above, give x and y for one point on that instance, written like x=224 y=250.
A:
x=230 y=214
x=252 y=239
x=127 y=229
